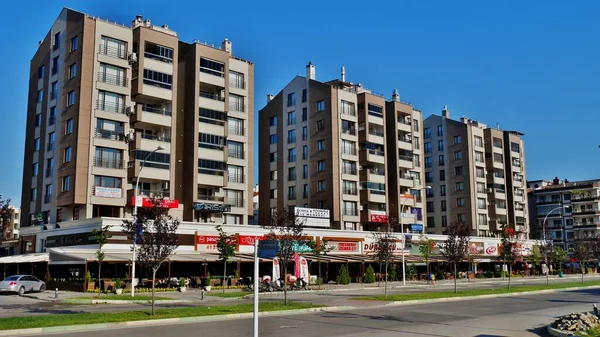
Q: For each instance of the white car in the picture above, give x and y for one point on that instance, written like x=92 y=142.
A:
x=21 y=284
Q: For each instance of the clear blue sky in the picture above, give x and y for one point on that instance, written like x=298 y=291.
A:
x=531 y=66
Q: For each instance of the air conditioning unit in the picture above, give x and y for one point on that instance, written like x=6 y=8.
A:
x=132 y=58
x=165 y=185
x=130 y=109
x=489 y=190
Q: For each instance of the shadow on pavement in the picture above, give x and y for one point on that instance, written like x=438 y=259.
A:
x=541 y=331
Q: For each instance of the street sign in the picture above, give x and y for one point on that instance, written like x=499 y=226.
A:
x=416 y=227
x=267 y=249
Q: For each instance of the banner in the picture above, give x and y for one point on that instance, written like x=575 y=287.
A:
x=296 y=265
x=490 y=248
x=206 y=243
x=476 y=248
x=276 y=270
x=343 y=247
x=303 y=268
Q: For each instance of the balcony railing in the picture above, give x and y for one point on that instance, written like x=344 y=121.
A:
x=349 y=170
x=376 y=152
x=212 y=71
x=112 y=51
x=108 y=134
x=235 y=178
x=350 y=211
x=210 y=197
x=376 y=132
x=349 y=150
x=157 y=138
x=407 y=158
x=349 y=131
x=50 y=146
x=211 y=95
x=239 y=154
x=110 y=107
x=584 y=212
x=235 y=202
x=109 y=163
x=51 y=120
x=237 y=130
x=348 y=111
x=49 y=171
x=117 y=80
x=403 y=121
x=159 y=111
x=154 y=194
x=404 y=140
x=237 y=107
x=350 y=190
x=158 y=57
x=237 y=84
x=53 y=94
x=47 y=198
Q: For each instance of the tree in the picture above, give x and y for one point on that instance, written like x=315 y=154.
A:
x=289 y=232
x=455 y=248
x=226 y=247
x=559 y=256
x=509 y=249
x=426 y=248
x=536 y=257
x=101 y=236
x=343 y=276
x=319 y=250
x=384 y=244
x=583 y=250
x=369 y=275
x=156 y=235
x=5 y=215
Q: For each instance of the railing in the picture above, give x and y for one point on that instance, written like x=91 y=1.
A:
x=235 y=202
x=586 y=198
x=211 y=146
x=377 y=172
x=404 y=140
x=350 y=190
x=349 y=150
x=239 y=154
x=585 y=212
x=51 y=120
x=159 y=111
x=376 y=152
x=49 y=171
x=151 y=164
x=235 y=178
x=375 y=114
x=350 y=131
x=349 y=170
x=347 y=111
x=108 y=134
x=112 y=79
x=54 y=70
x=238 y=107
x=237 y=84
x=53 y=94
x=50 y=146
x=212 y=71
x=157 y=57
x=292 y=177
x=110 y=107
x=291 y=140
x=154 y=194
x=376 y=132
x=210 y=197
x=211 y=95
x=47 y=198
x=112 y=51
x=156 y=137
x=403 y=121
x=110 y=163
x=407 y=158
x=350 y=211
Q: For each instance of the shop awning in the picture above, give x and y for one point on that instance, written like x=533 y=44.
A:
x=25 y=258
x=81 y=256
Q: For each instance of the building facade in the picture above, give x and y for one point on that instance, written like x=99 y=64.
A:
x=477 y=174
x=338 y=146
x=9 y=242
x=106 y=100
x=564 y=210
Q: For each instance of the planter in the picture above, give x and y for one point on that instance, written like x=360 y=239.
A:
x=181 y=289
x=91 y=286
x=119 y=291
x=207 y=288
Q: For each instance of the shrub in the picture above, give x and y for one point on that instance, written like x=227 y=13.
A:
x=412 y=272
x=118 y=283
x=439 y=276
x=343 y=277
x=393 y=274
x=369 y=275
x=181 y=282
x=497 y=274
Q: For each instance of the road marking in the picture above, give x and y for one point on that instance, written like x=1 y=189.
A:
x=288 y=327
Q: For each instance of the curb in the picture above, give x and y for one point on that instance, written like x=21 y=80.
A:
x=99 y=301
x=557 y=333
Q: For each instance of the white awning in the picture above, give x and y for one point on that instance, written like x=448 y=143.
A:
x=81 y=256
x=25 y=258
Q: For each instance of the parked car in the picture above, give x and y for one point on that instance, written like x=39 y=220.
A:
x=21 y=284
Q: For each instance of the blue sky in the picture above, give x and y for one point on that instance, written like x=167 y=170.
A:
x=530 y=66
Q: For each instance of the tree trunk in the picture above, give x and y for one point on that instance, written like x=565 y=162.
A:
x=509 y=272
x=285 y=301
x=320 y=280
x=379 y=278
x=153 y=283
x=427 y=276
x=582 y=270
x=547 y=275
x=99 y=278
x=455 y=287
x=224 y=274
x=385 y=281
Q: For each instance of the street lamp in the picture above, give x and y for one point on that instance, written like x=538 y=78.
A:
x=544 y=235
x=404 y=236
x=135 y=206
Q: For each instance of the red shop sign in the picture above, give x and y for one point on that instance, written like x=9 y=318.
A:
x=248 y=240
x=166 y=203
x=206 y=240
x=379 y=218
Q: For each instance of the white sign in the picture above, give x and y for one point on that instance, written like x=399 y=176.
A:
x=311 y=212
x=107 y=192
x=276 y=270
x=490 y=249
x=303 y=268
x=344 y=247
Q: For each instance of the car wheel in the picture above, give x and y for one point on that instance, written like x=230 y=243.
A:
x=21 y=291
x=42 y=288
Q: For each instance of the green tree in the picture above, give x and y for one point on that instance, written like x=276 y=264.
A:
x=509 y=248
x=536 y=258
x=583 y=250
x=101 y=236
x=319 y=250
x=369 y=275
x=383 y=250
x=455 y=248
x=226 y=246
x=5 y=215
x=343 y=276
x=559 y=256
x=426 y=248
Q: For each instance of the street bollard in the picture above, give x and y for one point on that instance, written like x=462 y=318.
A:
x=202 y=296
x=56 y=293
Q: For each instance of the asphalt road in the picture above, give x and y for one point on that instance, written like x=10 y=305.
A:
x=513 y=316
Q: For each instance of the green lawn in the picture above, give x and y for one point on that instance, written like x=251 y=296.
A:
x=125 y=297
x=228 y=294
x=102 y=317
x=593 y=332
x=475 y=292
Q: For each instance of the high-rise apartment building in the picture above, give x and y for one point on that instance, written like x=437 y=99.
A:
x=106 y=100
x=477 y=174
x=337 y=146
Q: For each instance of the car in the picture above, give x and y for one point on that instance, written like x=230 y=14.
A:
x=21 y=284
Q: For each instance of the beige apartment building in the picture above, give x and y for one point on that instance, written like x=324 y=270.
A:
x=477 y=174
x=338 y=149
x=107 y=99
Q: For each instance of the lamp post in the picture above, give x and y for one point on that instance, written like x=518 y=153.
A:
x=545 y=243
x=404 y=236
x=135 y=206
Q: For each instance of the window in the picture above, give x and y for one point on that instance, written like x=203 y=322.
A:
x=460 y=217
x=427 y=147
x=480 y=187
x=478 y=141
x=36 y=144
x=35 y=169
x=235 y=149
x=321 y=165
x=292 y=193
x=498 y=158
x=440 y=130
x=415 y=125
x=481 y=219
x=165 y=54
x=321 y=186
x=291 y=136
x=442 y=175
x=56 y=44
x=304 y=133
x=478 y=157
x=273 y=175
x=235 y=174
x=480 y=172
x=460 y=186
x=113 y=48
x=158 y=79
x=273 y=139
x=458 y=171
x=291 y=118
x=71 y=98
x=209 y=141
x=54 y=90
x=497 y=142
x=273 y=121
x=443 y=205
x=457 y=155
x=375 y=110
x=69 y=127
x=441 y=159
x=48 y=193
x=49 y=166
x=457 y=140
x=305 y=191
x=55 y=65
x=273 y=193
x=320 y=106
x=291 y=155
x=52 y=118
x=304 y=114
x=320 y=125
x=428 y=162
x=305 y=172
x=40 y=95
x=291 y=173
x=514 y=147
x=428 y=177
x=429 y=206
x=430 y=222
x=74 y=43
x=429 y=193
x=321 y=145
x=304 y=152
x=51 y=140
x=427 y=133
x=460 y=202
x=72 y=70
x=236 y=80
x=442 y=190
x=33 y=194
x=38 y=120
x=417 y=143
x=273 y=157
x=440 y=145
x=303 y=95
x=321 y=204
x=444 y=221
x=347 y=108
x=291 y=99
x=67 y=155
x=111 y=102
x=481 y=203
x=66 y=183
x=41 y=71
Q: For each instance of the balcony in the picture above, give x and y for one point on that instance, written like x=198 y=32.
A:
x=109 y=163
x=404 y=124
x=213 y=96
x=111 y=79
x=49 y=171
x=237 y=130
x=407 y=181
x=108 y=134
x=587 y=211
x=237 y=154
x=405 y=161
x=47 y=198
x=110 y=107
x=237 y=107
x=120 y=53
x=405 y=143
x=50 y=146
x=159 y=115
x=583 y=199
x=349 y=131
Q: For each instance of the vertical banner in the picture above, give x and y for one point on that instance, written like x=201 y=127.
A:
x=304 y=268
x=296 y=265
x=276 y=270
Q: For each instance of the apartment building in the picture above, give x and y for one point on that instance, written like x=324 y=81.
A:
x=336 y=147
x=110 y=105
x=569 y=209
x=477 y=174
x=9 y=241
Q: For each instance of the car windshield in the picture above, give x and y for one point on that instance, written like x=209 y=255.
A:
x=12 y=278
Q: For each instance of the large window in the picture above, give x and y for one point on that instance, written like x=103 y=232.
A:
x=108 y=129
x=67 y=155
x=236 y=103
x=212 y=67
x=209 y=141
x=292 y=193
x=236 y=79
x=320 y=106
x=321 y=165
x=158 y=52
x=428 y=162
x=111 y=102
x=155 y=78
x=213 y=167
x=109 y=158
x=481 y=203
x=291 y=155
x=66 y=183
x=291 y=99
x=291 y=136
x=457 y=155
x=427 y=147
x=74 y=43
x=348 y=108
x=235 y=174
x=235 y=149
x=105 y=181
x=478 y=157
x=69 y=126
x=375 y=110
x=478 y=141
x=236 y=126
x=112 y=75
x=113 y=47
x=71 y=98
x=460 y=186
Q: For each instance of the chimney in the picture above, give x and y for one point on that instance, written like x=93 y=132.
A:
x=310 y=71
x=445 y=112
x=165 y=26
x=395 y=96
x=556 y=181
x=343 y=74
x=226 y=46
x=147 y=23
x=269 y=98
x=137 y=21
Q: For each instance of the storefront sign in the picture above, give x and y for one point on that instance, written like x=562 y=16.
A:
x=79 y=239
x=378 y=217
x=343 y=247
x=416 y=228
x=311 y=212
x=394 y=247
x=476 y=248
x=147 y=202
x=210 y=207
x=248 y=240
x=108 y=192
x=490 y=248
x=206 y=243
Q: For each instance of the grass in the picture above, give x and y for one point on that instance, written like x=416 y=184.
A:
x=474 y=292
x=27 y=322
x=122 y=298
x=593 y=332
x=228 y=294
